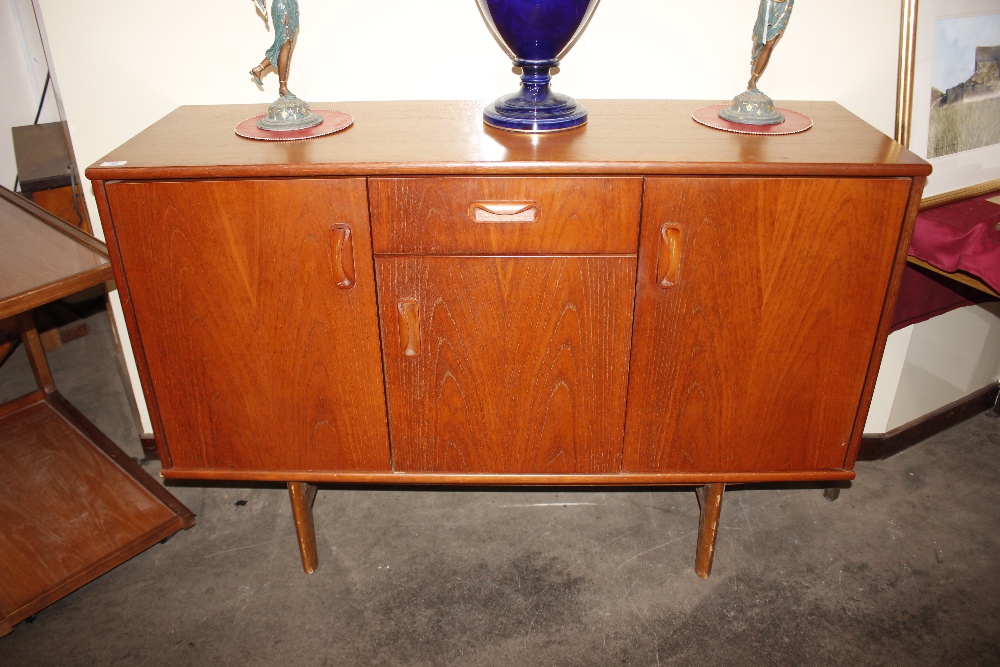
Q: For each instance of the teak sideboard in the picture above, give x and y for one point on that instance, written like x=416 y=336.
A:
x=421 y=299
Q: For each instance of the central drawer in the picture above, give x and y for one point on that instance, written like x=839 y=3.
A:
x=505 y=215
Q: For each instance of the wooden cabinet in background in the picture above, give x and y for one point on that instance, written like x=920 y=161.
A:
x=422 y=299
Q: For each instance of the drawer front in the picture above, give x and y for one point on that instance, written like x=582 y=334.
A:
x=464 y=216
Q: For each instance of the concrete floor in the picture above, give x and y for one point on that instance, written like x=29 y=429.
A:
x=904 y=569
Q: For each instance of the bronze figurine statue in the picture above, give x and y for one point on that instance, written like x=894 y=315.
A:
x=287 y=112
x=285 y=18
x=772 y=19
x=754 y=107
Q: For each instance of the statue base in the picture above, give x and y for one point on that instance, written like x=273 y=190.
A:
x=752 y=108
x=289 y=113
x=794 y=122
x=333 y=121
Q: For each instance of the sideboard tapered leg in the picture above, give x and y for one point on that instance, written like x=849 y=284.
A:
x=302 y=496
x=710 y=499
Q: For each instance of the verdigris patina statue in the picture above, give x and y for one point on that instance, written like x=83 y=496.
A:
x=753 y=107
x=287 y=112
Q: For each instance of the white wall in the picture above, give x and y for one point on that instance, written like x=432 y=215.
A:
x=122 y=64
x=931 y=364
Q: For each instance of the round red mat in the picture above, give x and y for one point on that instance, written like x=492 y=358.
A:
x=333 y=121
x=794 y=122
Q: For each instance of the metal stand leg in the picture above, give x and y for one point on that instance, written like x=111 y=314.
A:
x=995 y=410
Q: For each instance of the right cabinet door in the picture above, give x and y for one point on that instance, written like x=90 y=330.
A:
x=757 y=308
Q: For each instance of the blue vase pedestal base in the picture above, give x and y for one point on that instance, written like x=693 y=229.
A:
x=535 y=108
x=508 y=114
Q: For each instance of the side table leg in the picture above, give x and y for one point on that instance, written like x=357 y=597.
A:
x=302 y=496
x=36 y=353
x=710 y=499
x=832 y=492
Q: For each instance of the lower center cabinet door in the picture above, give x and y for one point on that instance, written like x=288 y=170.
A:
x=255 y=305
x=506 y=364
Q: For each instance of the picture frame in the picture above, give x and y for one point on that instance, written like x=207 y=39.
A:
x=958 y=175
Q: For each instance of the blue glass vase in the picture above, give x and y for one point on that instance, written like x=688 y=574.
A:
x=536 y=35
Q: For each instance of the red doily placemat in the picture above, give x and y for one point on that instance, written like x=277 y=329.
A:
x=794 y=122
x=333 y=121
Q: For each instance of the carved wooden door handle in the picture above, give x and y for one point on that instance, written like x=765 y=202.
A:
x=409 y=327
x=343 y=256
x=668 y=259
x=507 y=211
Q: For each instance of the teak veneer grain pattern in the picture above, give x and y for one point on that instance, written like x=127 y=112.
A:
x=286 y=365
x=637 y=137
x=523 y=363
x=41 y=510
x=42 y=258
x=431 y=216
x=751 y=330
x=422 y=299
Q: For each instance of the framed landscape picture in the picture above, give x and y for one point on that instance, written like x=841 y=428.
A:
x=949 y=92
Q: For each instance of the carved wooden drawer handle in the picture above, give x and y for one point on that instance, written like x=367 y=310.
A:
x=668 y=260
x=343 y=256
x=409 y=327
x=509 y=211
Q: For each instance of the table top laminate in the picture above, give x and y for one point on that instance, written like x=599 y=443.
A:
x=43 y=258
x=427 y=137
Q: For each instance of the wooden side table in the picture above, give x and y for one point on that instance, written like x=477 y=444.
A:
x=72 y=505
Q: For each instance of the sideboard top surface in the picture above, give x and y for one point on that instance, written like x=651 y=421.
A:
x=427 y=137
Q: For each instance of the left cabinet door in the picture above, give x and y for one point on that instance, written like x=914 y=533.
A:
x=254 y=302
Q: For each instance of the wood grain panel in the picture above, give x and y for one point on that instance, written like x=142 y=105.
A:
x=65 y=204
x=756 y=358
x=429 y=216
x=431 y=137
x=67 y=513
x=522 y=364
x=525 y=479
x=43 y=258
x=258 y=360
